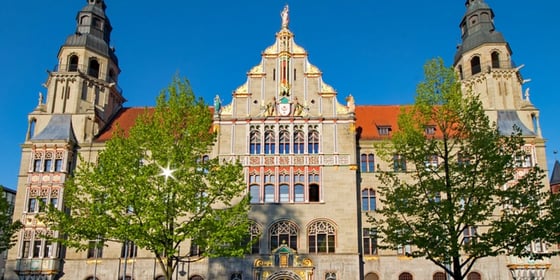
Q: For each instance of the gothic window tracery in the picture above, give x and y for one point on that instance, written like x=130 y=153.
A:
x=322 y=235
x=283 y=232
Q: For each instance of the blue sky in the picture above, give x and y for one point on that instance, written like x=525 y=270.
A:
x=373 y=50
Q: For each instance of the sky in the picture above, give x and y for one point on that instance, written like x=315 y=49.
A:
x=374 y=50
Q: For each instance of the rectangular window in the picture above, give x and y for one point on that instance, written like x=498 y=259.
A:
x=26 y=249
x=54 y=202
x=37 y=249
x=48 y=250
x=43 y=204
x=95 y=249
x=399 y=163
x=469 y=234
x=370 y=241
x=48 y=165
x=430 y=130
x=37 y=165
x=129 y=250
x=58 y=165
x=32 y=205
x=404 y=250
x=431 y=162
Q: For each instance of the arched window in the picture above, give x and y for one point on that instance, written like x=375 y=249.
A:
x=439 y=276
x=255 y=192
x=371 y=276
x=84 y=20
x=330 y=276
x=254 y=238
x=474 y=276
x=299 y=141
x=405 y=276
x=93 y=69
x=321 y=236
x=313 y=141
x=32 y=124
x=73 y=62
x=475 y=65
x=367 y=163
x=284 y=141
x=255 y=141
x=368 y=200
x=495 y=60
x=269 y=193
x=284 y=193
x=92 y=278
x=196 y=277
x=161 y=277
x=128 y=277
x=269 y=141
x=283 y=232
x=236 y=276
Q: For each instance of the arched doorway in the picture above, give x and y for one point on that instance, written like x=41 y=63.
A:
x=284 y=275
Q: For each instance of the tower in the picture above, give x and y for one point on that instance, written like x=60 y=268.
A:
x=485 y=67
x=82 y=97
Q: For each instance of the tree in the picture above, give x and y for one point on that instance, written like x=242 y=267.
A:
x=460 y=201
x=156 y=187
x=7 y=227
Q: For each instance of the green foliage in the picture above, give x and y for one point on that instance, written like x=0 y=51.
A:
x=7 y=227
x=472 y=185
x=157 y=188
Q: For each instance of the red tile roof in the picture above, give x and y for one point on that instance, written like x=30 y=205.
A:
x=125 y=119
x=370 y=117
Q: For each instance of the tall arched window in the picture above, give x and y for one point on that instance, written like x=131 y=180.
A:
x=368 y=200
x=255 y=141
x=474 y=276
x=283 y=232
x=475 y=65
x=321 y=236
x=73 y=63
x=405 y=276
x=255 y=234
x=495 y=60
x=299 y=141
x=93 y=68
x=330 y=276
x=313 y=141
x=269 y=141
x=367 y=163
x=284 y=141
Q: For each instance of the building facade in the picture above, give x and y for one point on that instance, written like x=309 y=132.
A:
x=308 y=159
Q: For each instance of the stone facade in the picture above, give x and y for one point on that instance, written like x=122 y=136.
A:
x=309 y=162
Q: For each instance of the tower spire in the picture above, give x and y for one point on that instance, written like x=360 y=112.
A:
x=477 y=27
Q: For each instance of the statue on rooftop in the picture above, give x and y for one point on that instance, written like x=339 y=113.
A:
x=285 y=16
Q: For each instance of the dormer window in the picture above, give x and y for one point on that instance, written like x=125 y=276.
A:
x=429 y=130
x=384 y=130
